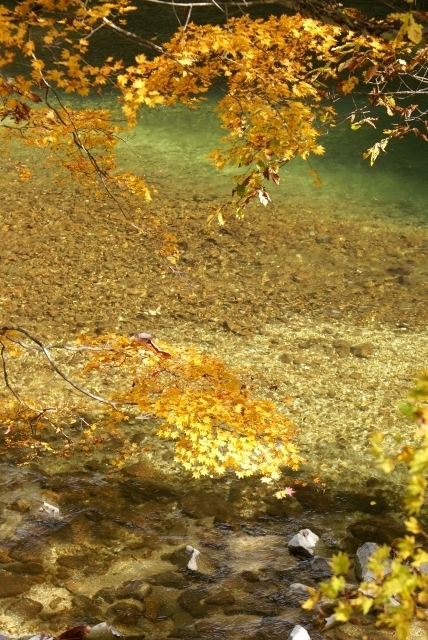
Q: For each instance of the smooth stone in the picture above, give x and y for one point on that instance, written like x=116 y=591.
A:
x=299 y=633
x=25 y=608
x=107 y=594
x=12 y=585
x=30 y=568
x=168 y=579
x=363 y=350
x=135 y=589
x=320 y=567
x=222 y=597
x=124 y=613
x=303 y=543
x=28 y=551
x=190 y=601
x=361 y=559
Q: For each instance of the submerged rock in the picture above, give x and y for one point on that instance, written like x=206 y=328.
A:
x=12 y=585
x=135 y=589
x=363 y=350
x=200 y=504
x=380 y=530
x=221 y=598
x=124 y=612
x=25 y=608
x=190 y=601
x=28 y=551
x=168 y=579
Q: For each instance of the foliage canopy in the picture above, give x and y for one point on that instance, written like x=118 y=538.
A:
x=281 y=78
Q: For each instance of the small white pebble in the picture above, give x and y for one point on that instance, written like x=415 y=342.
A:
x=331 y=622
x=50 y=509
x=299 y=633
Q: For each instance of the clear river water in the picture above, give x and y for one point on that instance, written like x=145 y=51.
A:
x=320 y=297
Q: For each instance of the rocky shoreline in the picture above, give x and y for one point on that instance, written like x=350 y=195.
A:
x=116 y=553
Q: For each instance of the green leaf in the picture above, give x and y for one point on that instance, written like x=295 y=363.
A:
x=343 y=612
x=412 y=525
x=340 y=564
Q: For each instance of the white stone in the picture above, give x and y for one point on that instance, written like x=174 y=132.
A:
x=192 y=564
x=331 y=622
x=299 y=633
x=50 y=509
x=304 y=542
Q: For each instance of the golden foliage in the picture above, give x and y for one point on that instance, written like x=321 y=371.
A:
x=282 y=77
x=205 y=407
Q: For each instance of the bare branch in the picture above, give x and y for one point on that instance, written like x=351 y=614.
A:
x=134 y=36
x=55 y=367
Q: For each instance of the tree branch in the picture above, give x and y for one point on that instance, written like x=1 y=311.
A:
x=4 y=331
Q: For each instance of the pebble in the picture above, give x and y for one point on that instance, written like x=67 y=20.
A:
x=363 y=350
x=299 y=633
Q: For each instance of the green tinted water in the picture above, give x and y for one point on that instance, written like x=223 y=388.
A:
x=174 y=143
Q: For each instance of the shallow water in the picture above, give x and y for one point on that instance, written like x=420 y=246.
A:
x=288 y=292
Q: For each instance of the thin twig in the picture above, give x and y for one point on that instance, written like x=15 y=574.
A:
x=55 y=367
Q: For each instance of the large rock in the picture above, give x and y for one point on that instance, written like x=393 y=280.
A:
x=25 y=608
x=29 y=568
x=28 y=551
x=362 y=557
x=380 y=530
x=221 y=598
x=12 y=585
x=190 y=601
x=320 y=567
x=303 y=543
x=200 y=504
x=125 y=612
x=168 y=579
x=135 y=589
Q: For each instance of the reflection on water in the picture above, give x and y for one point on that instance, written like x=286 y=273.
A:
x=323 y=294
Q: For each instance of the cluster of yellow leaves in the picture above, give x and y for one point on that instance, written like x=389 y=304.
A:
x=271 y=107
x=279 y=74
x=205 y=407
x=54 y=35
